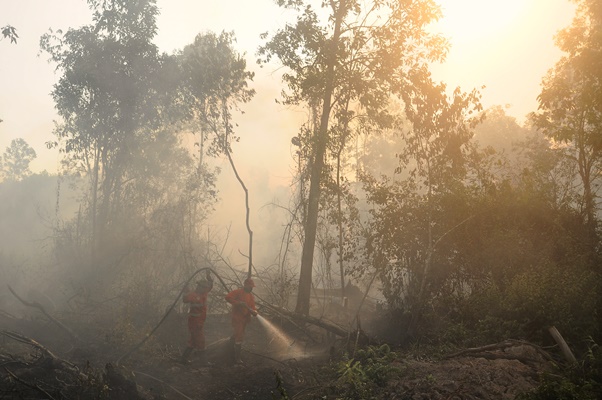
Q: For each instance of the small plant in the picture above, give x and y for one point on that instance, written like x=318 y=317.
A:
x=280 y=388
x=370 y=369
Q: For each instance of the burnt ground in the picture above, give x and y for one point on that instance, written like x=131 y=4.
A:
x=62 y=367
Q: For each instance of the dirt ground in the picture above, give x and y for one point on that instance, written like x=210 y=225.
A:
x=63 y=367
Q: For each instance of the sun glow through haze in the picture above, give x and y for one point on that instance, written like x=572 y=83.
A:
x=505 y=45
x=478 y=20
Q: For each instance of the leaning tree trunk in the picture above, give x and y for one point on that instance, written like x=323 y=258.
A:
x=242 y=184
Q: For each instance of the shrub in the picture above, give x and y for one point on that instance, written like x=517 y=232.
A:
x=361 y=375
x=582 y=381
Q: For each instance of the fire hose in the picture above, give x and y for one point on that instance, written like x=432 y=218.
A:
x=169 y=310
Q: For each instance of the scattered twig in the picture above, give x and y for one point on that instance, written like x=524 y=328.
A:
x=29 y=385
x=264 y=356
x=229 y=390
x=307 y=389
x=163 y=383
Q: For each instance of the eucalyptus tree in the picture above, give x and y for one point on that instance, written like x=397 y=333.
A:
x=570 y=104
x=110 y=97
x=214 y=82
x=343 y=55
x=16 y=159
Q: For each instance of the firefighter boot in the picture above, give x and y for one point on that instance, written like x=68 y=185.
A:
x=185 y=355
x=237 y=351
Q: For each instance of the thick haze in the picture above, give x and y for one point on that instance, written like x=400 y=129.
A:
x=506 y=46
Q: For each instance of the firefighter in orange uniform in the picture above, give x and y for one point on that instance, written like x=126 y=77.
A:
x=197 y=299
x=243 y=307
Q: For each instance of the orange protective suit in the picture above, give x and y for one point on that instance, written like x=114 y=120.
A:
x=242 y=304
x=196 y=317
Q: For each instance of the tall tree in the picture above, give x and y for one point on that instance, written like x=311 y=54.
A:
x=16 y=159
x=108 y=97
x=215 y=81
x=358 y=54
x=570 y=103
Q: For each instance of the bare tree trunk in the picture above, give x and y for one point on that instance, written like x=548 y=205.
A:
x=340 y=216
x=311 y=225
x=566 y=351
x=94 y=205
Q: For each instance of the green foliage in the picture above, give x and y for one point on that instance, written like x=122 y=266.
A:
x=554 y=295
x=123 y=106
x=111 y=98
x=370 y=369
x=214 y=80
x=280 y=387
x=535 y=299
x=569 y=105
x=582 y=381
x=559 y=389
x=518 y=263
x=9 y=32
x=15 y=160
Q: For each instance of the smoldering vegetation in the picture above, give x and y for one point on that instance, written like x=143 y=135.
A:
x=415 y=221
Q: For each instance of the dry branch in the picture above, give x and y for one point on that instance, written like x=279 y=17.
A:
x=24 y=339
x=29 y=385
x=481 y=351
x=7 y=315
x=55 y=361
x=37 y=305
x=472 y=350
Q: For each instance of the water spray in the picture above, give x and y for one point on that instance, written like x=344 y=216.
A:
x=291 y=348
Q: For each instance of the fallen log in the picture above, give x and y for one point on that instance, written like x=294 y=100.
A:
x=479 y=351
x=337 y=330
